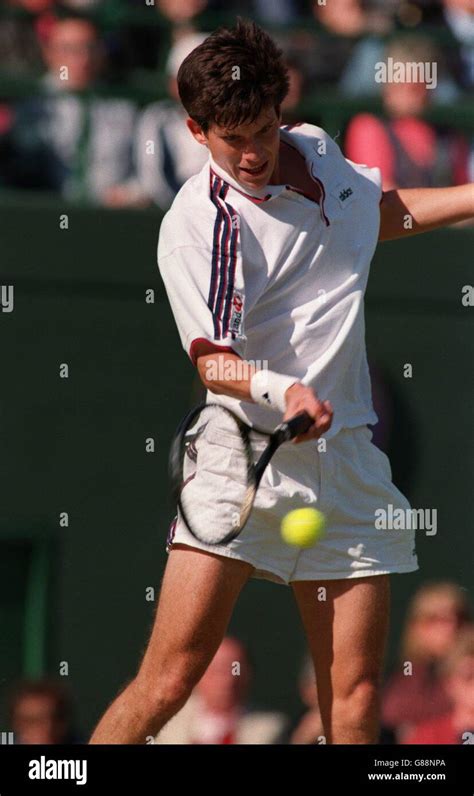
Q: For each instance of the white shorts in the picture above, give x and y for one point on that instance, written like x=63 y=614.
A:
x=348 y=482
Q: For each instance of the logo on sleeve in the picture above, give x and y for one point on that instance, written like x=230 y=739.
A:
x=345 y=193
x=237 y=315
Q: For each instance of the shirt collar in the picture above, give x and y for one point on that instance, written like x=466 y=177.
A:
x=263 y=194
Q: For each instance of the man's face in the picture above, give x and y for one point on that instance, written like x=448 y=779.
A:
x=249 y=152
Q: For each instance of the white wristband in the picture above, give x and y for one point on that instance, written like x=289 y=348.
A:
x=268 y=388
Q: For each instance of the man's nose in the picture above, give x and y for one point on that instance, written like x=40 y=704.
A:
x=254 y=151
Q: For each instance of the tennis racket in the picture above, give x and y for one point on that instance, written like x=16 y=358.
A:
x=214 y=470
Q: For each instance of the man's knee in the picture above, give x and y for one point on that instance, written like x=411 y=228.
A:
x=357 y=700
x=166 y=693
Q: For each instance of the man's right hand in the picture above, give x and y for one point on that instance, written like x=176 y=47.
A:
x=300 y=398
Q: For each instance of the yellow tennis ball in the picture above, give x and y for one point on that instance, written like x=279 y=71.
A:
x=303 y=527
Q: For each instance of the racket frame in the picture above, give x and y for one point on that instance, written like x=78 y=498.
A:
x=283 y=433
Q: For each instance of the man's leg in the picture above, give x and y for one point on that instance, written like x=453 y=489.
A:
x=198 y=594
x=347 y=634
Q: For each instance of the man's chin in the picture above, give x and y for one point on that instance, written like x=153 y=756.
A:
x=255 y=181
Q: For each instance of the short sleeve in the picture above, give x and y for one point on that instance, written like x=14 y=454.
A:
x=206 y=295
x=371 y=175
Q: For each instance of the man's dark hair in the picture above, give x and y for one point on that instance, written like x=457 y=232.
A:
x=232 y=76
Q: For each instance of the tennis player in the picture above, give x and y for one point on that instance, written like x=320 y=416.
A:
x=265 y=256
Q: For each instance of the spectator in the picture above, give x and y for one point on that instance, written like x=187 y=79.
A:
x=40 y=712
x=357 y=78
x=459 y=17
x=456 y=726
x=71 y=140
x=279 y=12
x=72 y=43
x=408 y=150
x=349 y=18
x=19 y=48
x=217 y=711
x=344 y=25
x=166 y=154
x=296 y=91
x=183 y=11
x=33 y=6
x=416 y=692
x=81 y=5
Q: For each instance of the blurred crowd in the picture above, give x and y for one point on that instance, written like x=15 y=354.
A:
x=89 y=106
x=428 y=698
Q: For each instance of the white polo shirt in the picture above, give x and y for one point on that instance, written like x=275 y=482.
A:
x=277 y=277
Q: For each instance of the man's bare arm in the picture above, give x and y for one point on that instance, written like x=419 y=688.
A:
x=409 y=211
x=228 y=374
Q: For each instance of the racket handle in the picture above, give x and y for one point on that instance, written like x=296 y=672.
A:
x=295 y=426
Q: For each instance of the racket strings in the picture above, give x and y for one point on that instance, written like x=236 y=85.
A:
x=217 y=480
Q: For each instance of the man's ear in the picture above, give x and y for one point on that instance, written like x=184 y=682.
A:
x=196 y=131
